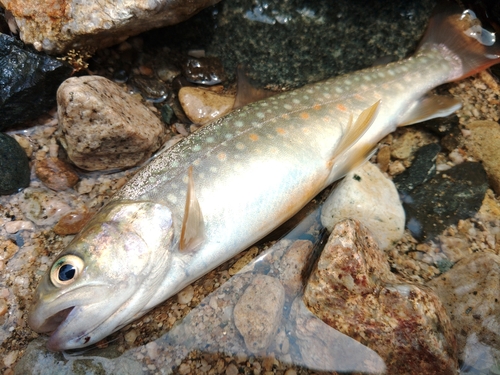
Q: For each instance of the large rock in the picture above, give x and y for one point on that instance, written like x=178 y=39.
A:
x=14 y=166
x=28 y=82
x=102 y=127
x=353 y=290
x=58 y=26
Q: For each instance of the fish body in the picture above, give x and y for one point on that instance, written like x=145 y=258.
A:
x=232 y=182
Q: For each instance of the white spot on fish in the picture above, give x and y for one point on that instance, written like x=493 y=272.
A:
x=338 y=90
x=210 y=139
x=185 y=179
x=263 y=104
x=172 y=198
x=260 y=115
x=296 y=101
x=238 y=124
x=228 y=136
x=366 y=77
x=287 y=106
x=240 y=146
x=213 y=169
x=196 y=147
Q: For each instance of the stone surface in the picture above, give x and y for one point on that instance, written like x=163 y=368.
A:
x=292 y=266
x=58 y=26
x=14 y=166
x=470 y=294
x=257 y=314
x=353 y=290
x=102 y=127
x=72 y=222
x=55 y=174
x=365 y=194
x=28 y=82
x=446 y=199
x=204 y=70
x=484 y=145
x=204 y=106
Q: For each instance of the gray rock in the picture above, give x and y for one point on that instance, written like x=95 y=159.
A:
x=365 y=194
x=14 y=166
x=292 y=265
x=258 y=312
x=102 y=127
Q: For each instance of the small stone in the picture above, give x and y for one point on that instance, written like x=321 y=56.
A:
x=469 y=292
x=72 y=222
x=353 y=290
x=131 y=336
x=55 y=174
x=17 y=225
x=102 y=127
x=3 y=307
x=292 y=265
x=384 y=158
x=204 y=70
x=231 y=369
x=150 y=88
x=258 y=312
x=43 y=206
x=10 y=358
x=404 y=146
x=14 y=166
x=365 y=194
x=184 y=369
x=186 y=295
x=204 y=106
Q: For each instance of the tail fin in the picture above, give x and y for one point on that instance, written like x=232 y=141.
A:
x=461 y=34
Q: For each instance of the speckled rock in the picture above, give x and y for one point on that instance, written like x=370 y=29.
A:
x=405 y=145
x=14 y=166
x=258 y=312
x=292 y=265
x=55 y=174
x=57 y=26
x=484 y=144
x=353 y=290
x=204 y=106
x=365 y=194
x=470 y=294
x=102 y=127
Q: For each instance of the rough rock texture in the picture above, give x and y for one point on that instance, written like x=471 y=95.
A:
x=365 y=194
x=257 y=314
x=28 y=82
x=102 y=127
x=353 y=290
x=292 y=264
x=204 y=106
x=55 y=174
x=484 y=144
x=14 y=166
x=60 y=25
x=470 y=295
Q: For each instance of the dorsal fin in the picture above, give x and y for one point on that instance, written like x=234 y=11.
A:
x=193 y=227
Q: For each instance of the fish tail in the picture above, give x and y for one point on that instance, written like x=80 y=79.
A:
x=460 y=37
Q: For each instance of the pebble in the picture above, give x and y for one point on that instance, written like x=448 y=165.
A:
x=17 y=225
x=203 y=106
x=98 y=125
x=43 y=207
x=3 y=307
x=55 y=174
x=470 y=294
x=231 y=369
x=186 y=295
x=72 y=222
x=151 y=89
x=292 y=265
x=365 y=194
x=204 y=70
x=353 y=290
x=258 y=312
x=405 y=145
x=384 y=158
x=131 y=336
x=14 y=166
x=484 y=144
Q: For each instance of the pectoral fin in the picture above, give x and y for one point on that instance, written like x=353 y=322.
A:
x=193 y=227
x=429 y=107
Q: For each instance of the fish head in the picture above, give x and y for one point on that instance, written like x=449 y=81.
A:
x=106 y=276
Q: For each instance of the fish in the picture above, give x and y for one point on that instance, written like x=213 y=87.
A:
x=232 y=182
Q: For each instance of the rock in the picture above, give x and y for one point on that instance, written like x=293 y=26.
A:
x=204 y=106
x=353 y=290
x=59 y=26
x=55 y=174
x=365 y=194
x=150 y=88
x=469 y=292
x=185 y=295
x=258 y=312
x=102 y=127
x=484 y=145
x=384 y=158
x=405 y=145
x=14 y=166
x=422 y=169
x=72 y=222
x=447 y=198
x=204 y=71
x=28 y=82
x=292 y=265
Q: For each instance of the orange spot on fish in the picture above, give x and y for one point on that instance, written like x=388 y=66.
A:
x=306 y=130
x=341 y=107
x=358 y=97
x=222 y=156
x=254 y=137
x=304 y=115
x=317 y=106
x=280 y=131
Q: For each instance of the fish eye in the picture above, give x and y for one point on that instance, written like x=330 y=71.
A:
x=65 y=270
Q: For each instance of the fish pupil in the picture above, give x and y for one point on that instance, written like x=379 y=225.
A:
x=66 y=272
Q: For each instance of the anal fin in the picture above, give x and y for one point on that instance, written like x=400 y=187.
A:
x=193 y=226
x=429 y=107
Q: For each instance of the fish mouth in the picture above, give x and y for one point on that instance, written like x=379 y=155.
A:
x=53 y=322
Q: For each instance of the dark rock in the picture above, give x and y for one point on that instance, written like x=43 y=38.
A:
x=28 y=82
x=151 y=89
x=204 y=70
x=422 y=169
x=451 y=196
x=442 y=125
x=14 y=166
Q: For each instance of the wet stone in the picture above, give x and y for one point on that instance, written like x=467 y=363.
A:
x=292 y=265
x=151 y=89
x=204 y=106
x=442 y=125
x=28 y=82
x=422 y=169
x=447 y=198
x=72 y=222
x=55 y=174
x=470 y=294
x=257 y=314
x=14 y=166
x=353 y=290
x=204 y=70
